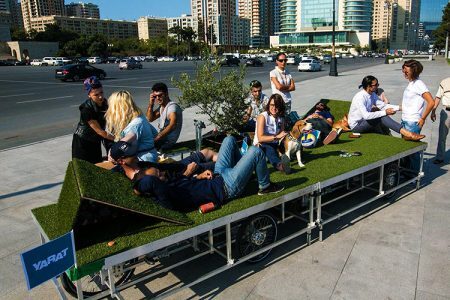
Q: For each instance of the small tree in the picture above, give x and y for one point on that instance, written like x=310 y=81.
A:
x=220 y=97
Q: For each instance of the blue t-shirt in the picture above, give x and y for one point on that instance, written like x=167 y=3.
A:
x=145 y=134
x=183 y=193
x=325 y=114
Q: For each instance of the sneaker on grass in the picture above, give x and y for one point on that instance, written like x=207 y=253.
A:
x=271 y=189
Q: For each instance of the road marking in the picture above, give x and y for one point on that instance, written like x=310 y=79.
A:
x=45 y=99
x=16 y=95
x=119 y=79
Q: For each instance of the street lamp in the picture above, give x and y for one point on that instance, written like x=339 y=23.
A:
x=387 y=5
x=333 y=63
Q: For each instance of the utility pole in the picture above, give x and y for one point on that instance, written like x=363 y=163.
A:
x=446 y=46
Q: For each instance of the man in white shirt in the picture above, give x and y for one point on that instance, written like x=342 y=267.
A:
x=282 y=82
x=443 y=95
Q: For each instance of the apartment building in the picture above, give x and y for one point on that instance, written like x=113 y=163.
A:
x=260 y=15
x=11 y=10
x=217 y=22
x=108 y=28
x=396 y=23
x=151 y=27
x=40 y=8
x=83 y=10
x=185 y=21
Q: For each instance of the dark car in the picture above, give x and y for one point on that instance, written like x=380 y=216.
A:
x=327 y=59
x=78 y=71
x=254 y=62
x=229 y=60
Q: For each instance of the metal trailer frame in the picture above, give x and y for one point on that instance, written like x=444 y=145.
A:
x=113 y=264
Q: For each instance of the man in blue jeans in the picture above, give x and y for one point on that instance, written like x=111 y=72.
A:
x=231 y=175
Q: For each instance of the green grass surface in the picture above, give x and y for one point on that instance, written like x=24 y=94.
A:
x=322 y=163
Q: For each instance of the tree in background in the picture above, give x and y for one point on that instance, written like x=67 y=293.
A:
x=441 y=32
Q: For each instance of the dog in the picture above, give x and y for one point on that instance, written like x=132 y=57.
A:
x=290 y=144
x=342 y=124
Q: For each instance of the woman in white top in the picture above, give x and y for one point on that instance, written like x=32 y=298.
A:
x=415 y=95
x=414 y=111
x=269 y=130
x=368 y=113
x=281 y=81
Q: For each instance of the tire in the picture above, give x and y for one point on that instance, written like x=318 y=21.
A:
x=76 y=78
x=101 y=76
x=255 y=233
x=94 y=281
x=140 y=66
x=391 y=178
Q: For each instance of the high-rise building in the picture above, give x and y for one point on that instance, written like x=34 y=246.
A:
x=260 y=14
x=358 y=15
x=39 y=8
x=217 y=22
x=276 y=15
x=11 y=10
x=83 y=10
x=288 y=15
x=396 y=24
x=151 y=27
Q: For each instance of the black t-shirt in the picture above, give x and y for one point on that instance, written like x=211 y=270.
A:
x=90 y=111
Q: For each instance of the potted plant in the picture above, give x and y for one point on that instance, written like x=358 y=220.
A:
x=219 y=96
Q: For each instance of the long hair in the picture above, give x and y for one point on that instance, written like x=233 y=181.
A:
x=121 y=111
x=279 y=104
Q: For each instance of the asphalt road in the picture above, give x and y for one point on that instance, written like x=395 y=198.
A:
x=34 y=106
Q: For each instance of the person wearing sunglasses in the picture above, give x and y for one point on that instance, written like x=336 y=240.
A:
x=368 y=113
x=170 y=116
x=281 y=81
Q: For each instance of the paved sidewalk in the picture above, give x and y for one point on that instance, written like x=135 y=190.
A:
x=399 y=252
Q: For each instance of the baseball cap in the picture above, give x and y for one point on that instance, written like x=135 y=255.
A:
x=122 y=149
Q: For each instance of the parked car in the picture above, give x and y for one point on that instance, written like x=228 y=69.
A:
x=7 y=62
x=271 y=58
x=254 y=62
x=309 y=65
x=20 y=63
x=52 y=61
x=111 y=60
x=130 y=64
x=64 y=60
x=292 y=60
x=76 y=72
x=38 y=62
x=327 y=59
x=166 y=58
x=94 y=60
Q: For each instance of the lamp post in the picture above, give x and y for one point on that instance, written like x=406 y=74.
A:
x=387 y=5
x=333 y=63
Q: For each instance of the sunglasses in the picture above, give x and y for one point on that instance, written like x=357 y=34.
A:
x=282 y=60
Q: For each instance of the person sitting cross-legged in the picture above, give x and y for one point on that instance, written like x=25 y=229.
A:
x=229 y=179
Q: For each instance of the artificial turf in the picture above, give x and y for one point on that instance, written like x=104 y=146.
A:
x=322 y=163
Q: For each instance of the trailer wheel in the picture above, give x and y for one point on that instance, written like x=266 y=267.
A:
x=92 y=284
x=255 y=233
x=391 y=178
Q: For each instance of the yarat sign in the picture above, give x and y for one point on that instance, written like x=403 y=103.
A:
x=51 y=259
x=48 y=260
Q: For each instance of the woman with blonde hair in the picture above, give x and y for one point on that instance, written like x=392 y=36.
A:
x=126 y=122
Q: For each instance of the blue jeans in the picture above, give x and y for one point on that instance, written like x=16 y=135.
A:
x=271 y=152
x=414 y=159
x=236 y=169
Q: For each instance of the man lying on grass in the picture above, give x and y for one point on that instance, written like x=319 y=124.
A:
x=231 y=174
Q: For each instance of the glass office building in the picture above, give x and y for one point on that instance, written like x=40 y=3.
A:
x=316 y=38
x=358 y=15
x=431 y=11
x=288 y=15
x=317 y=13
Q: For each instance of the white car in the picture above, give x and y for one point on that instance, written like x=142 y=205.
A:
x=38 y=62
x=64 y=60
x=292 y=60
x=309 y=65
x=94 y=60
x=52 y=61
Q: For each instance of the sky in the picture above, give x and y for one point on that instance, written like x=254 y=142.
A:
x=133 y=9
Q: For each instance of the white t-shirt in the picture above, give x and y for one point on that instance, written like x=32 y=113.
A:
x=413 y=102
x=272 y=126
x=283 y=77
x=444 y=92
x=361 y=107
